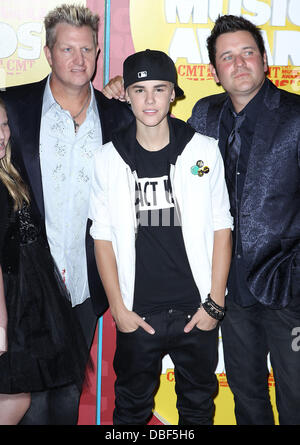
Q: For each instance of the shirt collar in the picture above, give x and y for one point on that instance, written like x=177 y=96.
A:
x=49 y=101
x=252 y=108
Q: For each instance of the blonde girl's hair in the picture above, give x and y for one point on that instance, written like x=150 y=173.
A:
x=74 y=15
x=11 y=177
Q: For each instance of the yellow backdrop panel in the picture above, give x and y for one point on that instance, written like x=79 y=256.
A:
x=180 y=28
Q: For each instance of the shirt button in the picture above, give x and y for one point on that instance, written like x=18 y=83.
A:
x=239 y=256
x=238 y=173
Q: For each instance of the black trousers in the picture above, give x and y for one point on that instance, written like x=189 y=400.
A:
x=137 y=364
x=60 y=406
x=249 y=334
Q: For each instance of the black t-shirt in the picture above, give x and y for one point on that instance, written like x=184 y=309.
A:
x=237 y=285
x=163 y=278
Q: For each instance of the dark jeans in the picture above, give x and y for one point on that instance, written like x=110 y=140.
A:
x=249 y=334
x=137 y=364
x=60 y=406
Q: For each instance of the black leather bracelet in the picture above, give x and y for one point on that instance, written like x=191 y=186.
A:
x=213 y=309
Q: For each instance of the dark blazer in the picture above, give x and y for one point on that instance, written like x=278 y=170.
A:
x=24 y=109
x=270 y=206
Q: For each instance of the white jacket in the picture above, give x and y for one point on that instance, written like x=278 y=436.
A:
x=201 y=202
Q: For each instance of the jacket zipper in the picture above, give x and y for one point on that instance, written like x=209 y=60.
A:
x=133 y=211
x=176 y=205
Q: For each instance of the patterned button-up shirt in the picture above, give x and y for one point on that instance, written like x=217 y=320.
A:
x=66 y=166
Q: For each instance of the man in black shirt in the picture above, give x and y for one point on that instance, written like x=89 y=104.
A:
x=263 y=302
x=162 y=231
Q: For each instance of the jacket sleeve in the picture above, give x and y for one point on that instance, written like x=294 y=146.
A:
x=3 y=317
x=222 y=218
x=98 y=205
x=199 y=116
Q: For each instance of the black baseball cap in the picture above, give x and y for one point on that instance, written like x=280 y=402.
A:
x=150 y=65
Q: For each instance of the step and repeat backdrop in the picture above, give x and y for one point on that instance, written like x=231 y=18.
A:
x=180 y=28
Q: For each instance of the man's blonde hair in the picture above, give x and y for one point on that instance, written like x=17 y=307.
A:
x=75 y=15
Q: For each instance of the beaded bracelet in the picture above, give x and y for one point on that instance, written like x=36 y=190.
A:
x=213 y=309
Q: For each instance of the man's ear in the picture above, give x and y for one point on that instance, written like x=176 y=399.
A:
x=214 y=73
x=172 y=98
x=265 y=61
x=127 y=98
x=47 y=53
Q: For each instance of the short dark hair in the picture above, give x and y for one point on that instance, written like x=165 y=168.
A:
x=232 y=23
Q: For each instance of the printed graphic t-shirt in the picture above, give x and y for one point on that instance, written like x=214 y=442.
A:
x=163 y=278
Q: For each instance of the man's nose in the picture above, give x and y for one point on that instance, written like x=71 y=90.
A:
x=239 y=60
x=150 y=97
x=79 y=57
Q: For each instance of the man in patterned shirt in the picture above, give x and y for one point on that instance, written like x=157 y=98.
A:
x=57 y=124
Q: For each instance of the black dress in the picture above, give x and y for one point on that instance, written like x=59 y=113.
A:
x=46 y=348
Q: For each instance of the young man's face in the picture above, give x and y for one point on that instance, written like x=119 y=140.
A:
x=150 y=101
x=240 y=68
x=73 y=56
